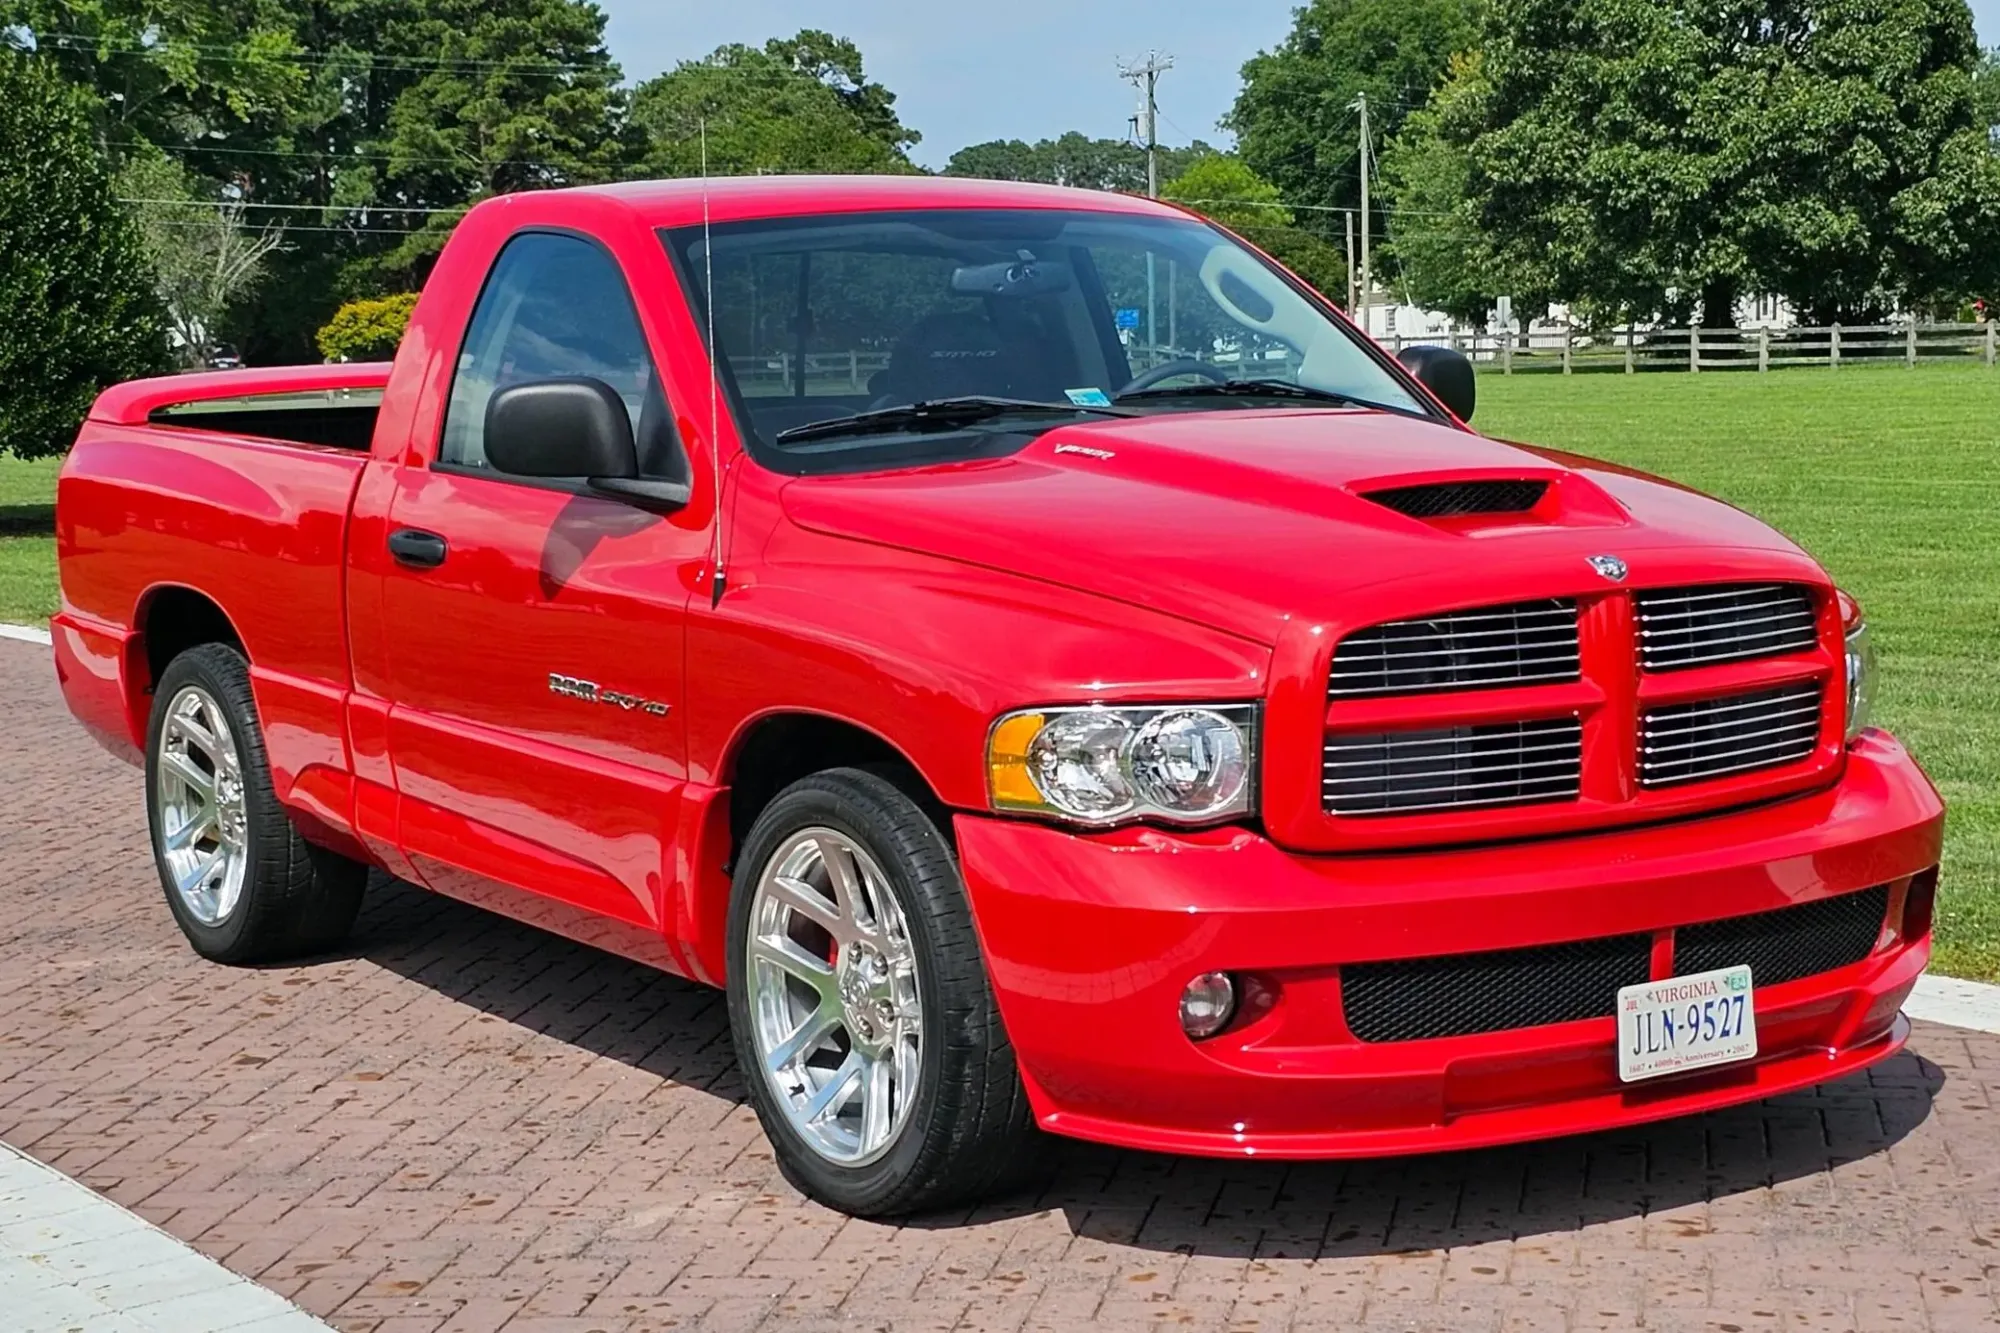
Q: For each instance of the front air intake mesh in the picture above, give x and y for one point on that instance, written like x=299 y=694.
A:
x=1523 y=644
x=1789 y=943
x=1453 y=499
x=1456 y=996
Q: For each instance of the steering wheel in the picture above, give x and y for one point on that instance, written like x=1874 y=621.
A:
x=1174 y=370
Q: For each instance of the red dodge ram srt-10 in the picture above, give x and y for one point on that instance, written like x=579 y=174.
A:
x=1035 y=654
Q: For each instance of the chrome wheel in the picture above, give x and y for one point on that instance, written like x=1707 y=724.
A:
x=203 y=818
x=836 y=1014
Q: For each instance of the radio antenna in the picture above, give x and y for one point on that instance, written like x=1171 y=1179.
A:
x=714 y=379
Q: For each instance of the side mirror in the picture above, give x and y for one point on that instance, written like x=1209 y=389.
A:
x=1447 y=373
x=573 y=428
x=561 y=428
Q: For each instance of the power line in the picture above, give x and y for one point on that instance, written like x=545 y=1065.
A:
x=226 y=204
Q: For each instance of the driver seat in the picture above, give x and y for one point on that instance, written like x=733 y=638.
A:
x=956 y=354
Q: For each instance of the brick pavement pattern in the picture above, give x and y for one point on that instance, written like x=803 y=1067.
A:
x=462 y=1124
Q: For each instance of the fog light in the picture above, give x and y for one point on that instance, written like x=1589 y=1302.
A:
x=1207 y=1005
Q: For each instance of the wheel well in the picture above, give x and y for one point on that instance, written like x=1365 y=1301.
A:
x=174 y=620
x=784 y=748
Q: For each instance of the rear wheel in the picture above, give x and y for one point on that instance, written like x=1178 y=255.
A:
x=242 y=883
x=863 y=1020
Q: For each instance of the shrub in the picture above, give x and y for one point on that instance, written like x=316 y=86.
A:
x=367 y=330
x=82 y=308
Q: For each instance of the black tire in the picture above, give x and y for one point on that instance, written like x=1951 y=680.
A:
x=969 y=1129
x=297 y=899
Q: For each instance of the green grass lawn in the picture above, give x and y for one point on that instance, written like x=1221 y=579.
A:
x=1891 y=477
x=27 y=541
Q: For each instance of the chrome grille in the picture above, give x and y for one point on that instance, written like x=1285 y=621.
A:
x=1452 y=768
x=1691 y=627
x=1714 y=738
x=1528 y=643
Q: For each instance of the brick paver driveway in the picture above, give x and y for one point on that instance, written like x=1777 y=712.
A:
x=460 y=1123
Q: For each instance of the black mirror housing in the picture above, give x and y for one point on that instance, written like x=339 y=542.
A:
x=561 y=428
x=1447 y=373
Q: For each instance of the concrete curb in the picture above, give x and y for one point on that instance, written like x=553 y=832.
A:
x=70 y=1259
x=26 y=634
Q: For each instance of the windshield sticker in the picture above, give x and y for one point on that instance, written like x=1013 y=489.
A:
x=1088 y=397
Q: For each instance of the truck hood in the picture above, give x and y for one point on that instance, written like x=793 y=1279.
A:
x=1249 y=520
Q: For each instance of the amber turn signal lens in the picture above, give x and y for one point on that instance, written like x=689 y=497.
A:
x=1007 y=763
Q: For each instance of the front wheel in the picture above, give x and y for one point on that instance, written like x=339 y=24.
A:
x=862 y=1017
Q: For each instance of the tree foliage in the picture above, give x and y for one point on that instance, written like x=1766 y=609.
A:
x=1632 y=153
x=367 y=330
x=372 y=123
x=81 y=309
x=1221 y=186
x=799 y=104
x=205 y=255
x=1293 y=119
x=1075 y=160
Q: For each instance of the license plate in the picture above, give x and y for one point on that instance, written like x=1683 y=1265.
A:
x=1683 y=1023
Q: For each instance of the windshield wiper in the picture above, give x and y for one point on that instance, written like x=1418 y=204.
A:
x=936 y=413
x=1255 y=388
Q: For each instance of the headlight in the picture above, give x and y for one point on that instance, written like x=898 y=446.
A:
x=1860 y=666
x=1185 y=763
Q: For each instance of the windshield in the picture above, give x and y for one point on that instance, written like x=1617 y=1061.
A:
x=823 y=318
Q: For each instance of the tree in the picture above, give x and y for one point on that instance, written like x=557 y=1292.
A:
x=367 y=330
x=800 y=104
x=1222 y=187
x=81 y=309
x=1074 y=160
x=1631 y=153
x=1293 y=122
x=204 y=255
x=1440 y=253
x=385 y=117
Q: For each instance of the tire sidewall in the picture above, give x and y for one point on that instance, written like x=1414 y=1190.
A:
x=857 y=1189
x=226 y=938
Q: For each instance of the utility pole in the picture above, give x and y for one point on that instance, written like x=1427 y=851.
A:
x=1347 y=216
x=1367 y=278
x=1146 y=78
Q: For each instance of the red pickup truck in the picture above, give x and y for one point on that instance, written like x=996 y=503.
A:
x=1035 y=654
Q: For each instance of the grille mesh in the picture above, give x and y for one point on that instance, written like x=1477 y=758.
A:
x=1741 y=733
x=1418 y=998
x=1453 y=498
x=1789 y=943
x=1452 y=768
x=1690 y=627
x=1463 y=994
x=1526 y=643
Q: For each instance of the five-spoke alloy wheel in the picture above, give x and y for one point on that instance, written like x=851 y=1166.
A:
x=863 y=1019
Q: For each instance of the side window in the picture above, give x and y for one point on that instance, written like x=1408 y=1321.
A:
x=554 y=307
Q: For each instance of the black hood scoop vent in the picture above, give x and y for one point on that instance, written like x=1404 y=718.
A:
x=1458 y=499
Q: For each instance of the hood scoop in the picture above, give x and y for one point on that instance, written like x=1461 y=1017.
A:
x=1463 y=499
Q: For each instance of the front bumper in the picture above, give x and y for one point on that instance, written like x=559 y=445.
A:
x=1090 y=940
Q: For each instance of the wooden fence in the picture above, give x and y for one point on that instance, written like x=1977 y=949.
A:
x=1568 y=351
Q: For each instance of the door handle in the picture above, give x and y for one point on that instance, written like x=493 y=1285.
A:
x=417 y=548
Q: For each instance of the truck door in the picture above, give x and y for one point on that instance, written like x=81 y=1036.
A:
x=535 y=629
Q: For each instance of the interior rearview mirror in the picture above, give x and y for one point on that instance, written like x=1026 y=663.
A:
x=1447 y=373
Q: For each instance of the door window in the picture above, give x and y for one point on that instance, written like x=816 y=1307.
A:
x=557 y=307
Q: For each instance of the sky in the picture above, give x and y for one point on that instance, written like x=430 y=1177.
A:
x=1007 y=69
